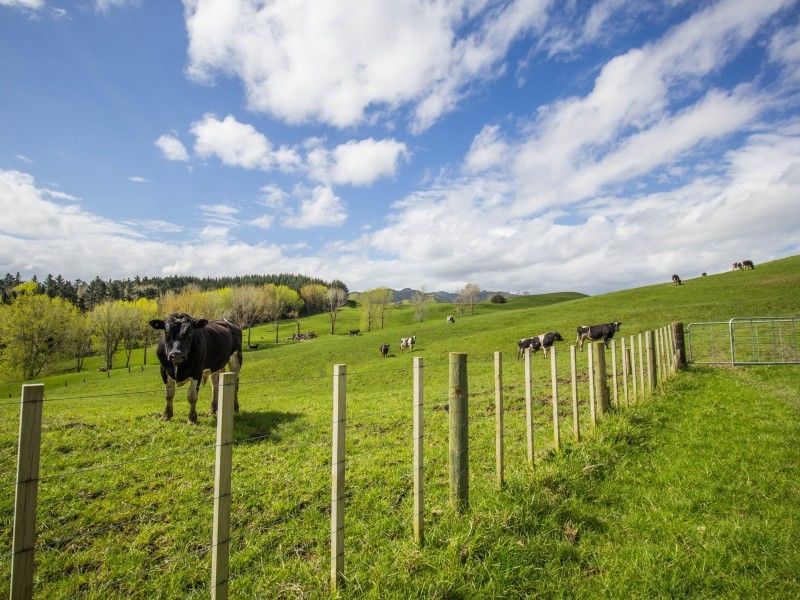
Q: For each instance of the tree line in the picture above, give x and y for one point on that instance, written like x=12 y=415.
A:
x=85 y=295
x=39 y=332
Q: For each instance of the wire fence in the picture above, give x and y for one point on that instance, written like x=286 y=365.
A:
x=149 y=510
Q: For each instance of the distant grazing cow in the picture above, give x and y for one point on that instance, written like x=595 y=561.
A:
x=676 y=280
x=253 y=346
x=408 y=343
x=190 y=350
x=384 y=350
x=704 y=274
x=451 y=319
x=355 y=331
x=736 y=265
x=594 y=333
x=747 y=264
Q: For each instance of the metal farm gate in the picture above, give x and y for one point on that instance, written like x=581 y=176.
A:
x=744 y=341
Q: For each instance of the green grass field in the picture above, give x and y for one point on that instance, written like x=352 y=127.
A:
x=693 y=493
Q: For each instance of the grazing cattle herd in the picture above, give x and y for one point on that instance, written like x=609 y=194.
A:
x=192 y=349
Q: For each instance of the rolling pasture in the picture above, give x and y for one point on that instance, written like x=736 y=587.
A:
x=694 y=492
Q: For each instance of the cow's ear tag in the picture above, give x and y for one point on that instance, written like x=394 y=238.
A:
x=200 y=323
x=157 y=324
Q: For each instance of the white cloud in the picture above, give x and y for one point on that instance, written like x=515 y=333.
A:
x=219 y=214
x=487 y=151
x=26 y=4
x=138 y=179
x=172 y=147
x=25 y=159
x=335 y=62
x=356 y=162
x=239 y=144
x=106 y=5
x=263 y=222
x=319 y=207
x=784 y=48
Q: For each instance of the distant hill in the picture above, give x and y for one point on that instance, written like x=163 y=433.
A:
x=441 y=296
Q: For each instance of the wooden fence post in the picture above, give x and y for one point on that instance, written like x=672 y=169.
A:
x=601 y=395
x=624 y=353
x=459 y=432
x=221 y=536
x=499 y=440
x=529 y=404
x=641 y=366
x=634 y=383
x=29 y=444
x=337 y=474
x=664 y=371
x=592 y=399
x=419 y=459
x=554 y=380
x=651 y=362
x=679 y=346
x=614 y=371
x=576 y=424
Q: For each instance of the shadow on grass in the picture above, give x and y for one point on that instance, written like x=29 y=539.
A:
x=253 y=427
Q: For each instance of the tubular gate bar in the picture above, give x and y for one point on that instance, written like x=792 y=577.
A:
x=745 y=341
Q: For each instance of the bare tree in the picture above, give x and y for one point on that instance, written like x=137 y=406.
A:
x=467 y=297
x=247 y=307
x=335 y=299
x=420 y=301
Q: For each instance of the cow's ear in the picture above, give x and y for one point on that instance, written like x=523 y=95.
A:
x=200 y=323
x=157 y=324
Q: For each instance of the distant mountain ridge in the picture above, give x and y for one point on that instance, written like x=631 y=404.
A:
x=441 y=296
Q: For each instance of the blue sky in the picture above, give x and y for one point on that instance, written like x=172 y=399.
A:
x=525 y=146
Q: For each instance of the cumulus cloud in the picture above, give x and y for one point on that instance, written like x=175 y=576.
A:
x=318 y=207
x=334 y=62
x=172 y=147
x=239 y=144
x=356 y=162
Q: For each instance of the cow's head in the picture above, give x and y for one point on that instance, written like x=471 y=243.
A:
x=557 y=337
x=616 y=325
x=178 y=330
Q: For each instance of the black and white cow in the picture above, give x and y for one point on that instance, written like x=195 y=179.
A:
x=594 y=333
x=543 y=342
x=408 y=343
x=451 y=319
x=384 y=350
x=735 y=266
x=190 y=350
x=676 y=280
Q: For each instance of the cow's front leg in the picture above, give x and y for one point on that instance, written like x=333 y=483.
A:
x=169 y=388
x=194 y=384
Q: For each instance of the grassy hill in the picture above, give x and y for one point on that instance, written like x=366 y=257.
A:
x=692 y=494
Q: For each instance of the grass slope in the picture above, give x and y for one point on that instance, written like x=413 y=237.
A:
x=125 y=501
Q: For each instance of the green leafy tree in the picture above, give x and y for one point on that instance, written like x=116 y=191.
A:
x=34 y=330
x=108 y=323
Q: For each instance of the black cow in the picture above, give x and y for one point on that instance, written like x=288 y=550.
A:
x=384 y=350
x=747 y=264
x=355 y=331
x=190 y=350
x=594 y=333
x=676 y=280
